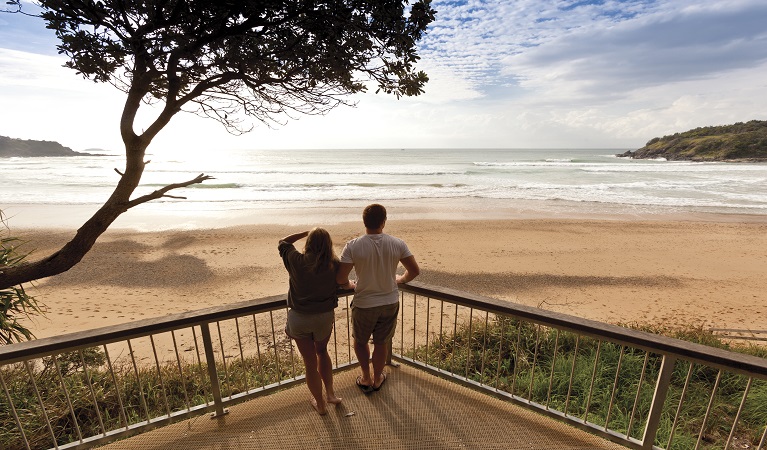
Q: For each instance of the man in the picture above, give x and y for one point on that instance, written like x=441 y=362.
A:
x=374 y=257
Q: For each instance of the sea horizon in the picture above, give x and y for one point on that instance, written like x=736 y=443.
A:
x=301 y=187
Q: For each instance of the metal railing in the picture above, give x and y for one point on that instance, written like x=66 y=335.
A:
x=84 y=389
x=639 y=389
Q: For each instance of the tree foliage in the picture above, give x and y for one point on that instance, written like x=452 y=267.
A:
x=266 y=60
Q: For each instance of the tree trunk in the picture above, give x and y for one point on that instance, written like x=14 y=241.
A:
x=73 y=251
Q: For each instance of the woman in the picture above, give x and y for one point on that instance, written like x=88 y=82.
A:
x=312 y=299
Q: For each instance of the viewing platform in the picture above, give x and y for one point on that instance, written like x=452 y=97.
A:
x=467 y=372
x=413 y=410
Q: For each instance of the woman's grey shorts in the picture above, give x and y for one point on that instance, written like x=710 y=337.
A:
x=314 y=326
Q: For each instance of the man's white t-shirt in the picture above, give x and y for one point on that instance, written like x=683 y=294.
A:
x=375 y=258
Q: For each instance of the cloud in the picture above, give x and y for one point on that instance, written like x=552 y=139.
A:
x=503 y=73
x=666 y=46
x=476 y=38
x=43 y=100
x=24 y=70
x=604 y=73
x=582 y=48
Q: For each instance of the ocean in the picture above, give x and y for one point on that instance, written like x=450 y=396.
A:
x=283 y=185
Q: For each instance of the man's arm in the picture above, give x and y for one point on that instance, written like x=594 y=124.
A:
x=342 y=276
x=411 y=270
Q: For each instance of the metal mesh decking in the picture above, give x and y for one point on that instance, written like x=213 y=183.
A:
x=414 y=410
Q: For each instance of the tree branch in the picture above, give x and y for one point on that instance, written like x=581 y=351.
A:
x=160 y=193
x=266 y=59
x=17 y=5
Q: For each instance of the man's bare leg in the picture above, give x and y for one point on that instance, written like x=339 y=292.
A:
x=380 y=352
x=362 y=350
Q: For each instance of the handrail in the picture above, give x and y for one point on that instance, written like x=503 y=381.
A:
x=105 y=335
x=737 y=362
x=647 y=341
x=36 y=348
x=206 y=332
x=523 y=359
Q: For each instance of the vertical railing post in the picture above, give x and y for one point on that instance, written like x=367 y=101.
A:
x=12 y=407
x=210 y=358
x=390 y=344
x=658 y=399
x=389 y=351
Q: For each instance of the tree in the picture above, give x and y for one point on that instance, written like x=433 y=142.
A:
x=268 y=59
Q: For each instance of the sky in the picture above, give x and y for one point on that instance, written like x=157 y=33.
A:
x=503 y=74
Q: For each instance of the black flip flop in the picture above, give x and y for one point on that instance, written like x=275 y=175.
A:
x=366 y=388
x=382 y=383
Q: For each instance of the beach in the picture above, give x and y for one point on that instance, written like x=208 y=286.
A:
x=670 y=271
x=576 y=231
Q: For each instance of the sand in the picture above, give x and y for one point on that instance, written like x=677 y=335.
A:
x=671 y=272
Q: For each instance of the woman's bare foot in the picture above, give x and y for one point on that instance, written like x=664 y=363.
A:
x=333 y=400
x=321 y=410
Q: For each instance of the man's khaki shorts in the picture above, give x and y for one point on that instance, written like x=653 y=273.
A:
x=379 y=321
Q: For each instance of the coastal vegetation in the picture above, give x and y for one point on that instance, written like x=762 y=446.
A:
x=743 y=142
x=488 y=355
x=233 y=62
x=15 y=303
x=140 y=393
x=151 y=391
x=28 y=148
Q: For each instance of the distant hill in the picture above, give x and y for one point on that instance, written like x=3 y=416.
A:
x=29 y=148
x=740 y=142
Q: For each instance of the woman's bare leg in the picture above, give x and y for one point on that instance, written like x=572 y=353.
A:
x=325 y=365
x=313 y=379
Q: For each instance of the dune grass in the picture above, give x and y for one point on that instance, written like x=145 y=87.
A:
x=578 y=375
x=103 y=402
x=557 y=369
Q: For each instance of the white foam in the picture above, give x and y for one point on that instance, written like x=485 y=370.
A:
x=264 y=179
